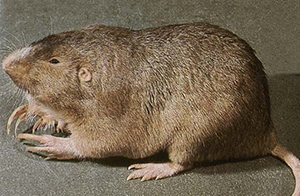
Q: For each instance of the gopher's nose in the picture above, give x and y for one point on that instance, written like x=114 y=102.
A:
x=7 y=61
x=15 y=56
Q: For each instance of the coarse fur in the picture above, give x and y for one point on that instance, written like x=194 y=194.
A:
x=196 y=91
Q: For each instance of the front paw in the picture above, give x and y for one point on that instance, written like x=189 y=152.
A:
x=23 y=112
x=55 y=147
x=47 y=121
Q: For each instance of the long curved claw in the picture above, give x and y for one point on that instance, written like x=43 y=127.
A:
x=16 y=113
x=20 y=119
x=36 y=125
x=61 y=126
x=47 y=122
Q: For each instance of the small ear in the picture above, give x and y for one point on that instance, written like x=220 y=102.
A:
x=84 y=75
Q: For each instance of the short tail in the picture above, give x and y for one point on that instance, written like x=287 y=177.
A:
x=292 y=161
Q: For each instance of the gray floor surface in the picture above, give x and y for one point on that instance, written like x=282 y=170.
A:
x=271 y=27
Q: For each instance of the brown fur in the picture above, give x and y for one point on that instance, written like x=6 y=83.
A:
x=195 y=90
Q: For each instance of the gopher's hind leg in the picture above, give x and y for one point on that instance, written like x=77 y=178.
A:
x=149 y=171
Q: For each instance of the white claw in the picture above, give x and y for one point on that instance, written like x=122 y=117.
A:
x=36 y=125
x=20 y=119
x=17 y=112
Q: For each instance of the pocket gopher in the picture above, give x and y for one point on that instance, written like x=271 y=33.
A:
x=195 y=91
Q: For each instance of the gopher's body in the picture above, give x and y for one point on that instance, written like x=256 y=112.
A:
x=195 y=90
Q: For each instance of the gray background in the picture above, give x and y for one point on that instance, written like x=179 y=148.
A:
x=271 y=27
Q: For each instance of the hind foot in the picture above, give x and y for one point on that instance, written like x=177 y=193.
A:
x=149 y=171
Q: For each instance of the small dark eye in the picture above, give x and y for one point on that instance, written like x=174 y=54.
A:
x=54 y=61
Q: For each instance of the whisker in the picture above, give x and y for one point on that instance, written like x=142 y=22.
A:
x=24 y=39
x=11 y=49
x=51 y=26
x=3 y=54
x=13 y=44
x=17 y=98
x=5 y=49
x=8 y=84
x=23 y=100
x=8 y=92
x=16 y=38
x=3 y=29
